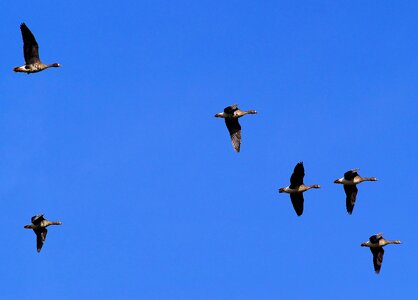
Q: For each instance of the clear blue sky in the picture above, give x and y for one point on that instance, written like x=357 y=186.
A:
x=120 y=144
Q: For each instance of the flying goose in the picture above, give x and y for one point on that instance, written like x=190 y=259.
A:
x=376 y=243
x=39 y=225
x=350 y=180
x=297 y=188
x=231 y=115
x=30 y=51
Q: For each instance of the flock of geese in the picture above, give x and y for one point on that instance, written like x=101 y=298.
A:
x=231 y=114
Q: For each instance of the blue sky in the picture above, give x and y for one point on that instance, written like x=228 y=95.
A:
x=120 y=144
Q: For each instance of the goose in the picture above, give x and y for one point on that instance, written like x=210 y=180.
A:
x=30 y=51
x=297 y=188
x=39 y=225
x=376 y=243
x=350 y=180
x=231 y=115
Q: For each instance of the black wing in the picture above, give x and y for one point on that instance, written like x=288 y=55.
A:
x=297 y=177
x=351 y=195
x=234 y=129
x=377 y=258
x=40 y=237
x=349 y=175
x=230 y=109
x=36 y=220
x=374 y=239
x=297 y=202
x=30 y=46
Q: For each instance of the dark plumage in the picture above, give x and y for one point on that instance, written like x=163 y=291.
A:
x=297 y=202
x=376 y=243
x=30 y=45
x=350 y=197
x=231 y=115
x=297 y=180
x=234 y=129
x=39 y=224
x=350 y=190
x=297 y=176
x=377 y=258
x=350 y=180
x=231 y=109
x=31 y=53
x=297 y=188
x=377 y=252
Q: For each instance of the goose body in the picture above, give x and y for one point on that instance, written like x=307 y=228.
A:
x=231 y=115
x=297 y=188
x=350 y=180
x=31 y=53
x=376 y=243
x=39 y=224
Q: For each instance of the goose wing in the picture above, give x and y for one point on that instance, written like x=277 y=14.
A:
x=30 y=46
x=36 y=220
x=349 y=175
x=297 y=176
x=351 y=195
x=297 y=202
x=374 y=239
x=234 y=129
x=40 y=237
x=231 y=109
x=377 y=258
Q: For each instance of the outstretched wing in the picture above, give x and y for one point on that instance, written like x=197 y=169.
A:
x=297 y=202
x=349 y=175
x=40 y=237
x=234 y=129
x=231 y=109
x=30 y=46
x=374 y=239
x=377 y=258
x=297 y=177
x=36 y=220
x=351 y=195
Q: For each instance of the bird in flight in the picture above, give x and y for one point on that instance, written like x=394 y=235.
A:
x=231 y=115
x=350 y=180
x=39 y=225
x=31 y=53
x=376 y=243
x=297 y=188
